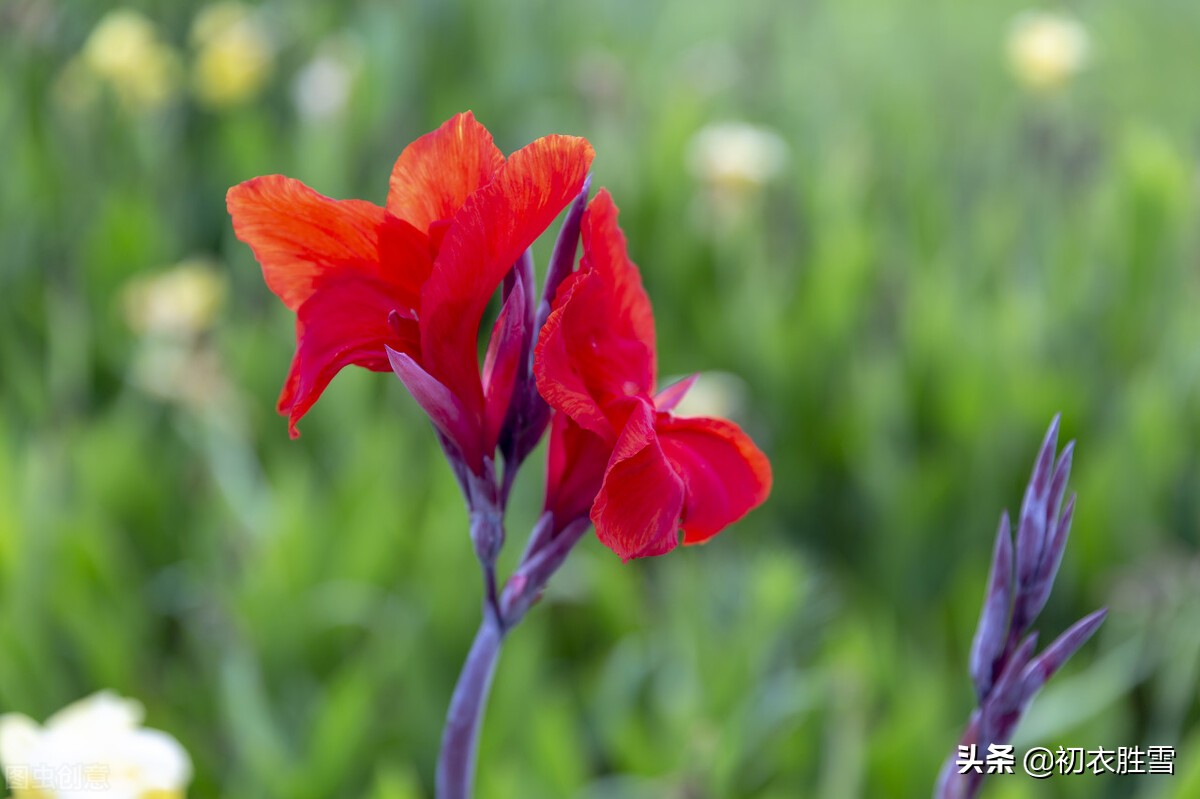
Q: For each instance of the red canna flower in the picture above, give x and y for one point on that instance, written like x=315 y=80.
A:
x=405 y=286
x=617 y=452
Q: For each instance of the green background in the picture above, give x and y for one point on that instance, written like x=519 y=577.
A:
x=945 y=261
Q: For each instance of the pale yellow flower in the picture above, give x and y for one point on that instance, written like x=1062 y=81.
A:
x=234 y=55
x=1046 y=49
x=182 y=301
x=173 y=311
x=94 y=748
x=124 y=50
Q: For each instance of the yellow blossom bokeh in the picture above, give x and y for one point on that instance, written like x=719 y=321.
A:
x=235 y=56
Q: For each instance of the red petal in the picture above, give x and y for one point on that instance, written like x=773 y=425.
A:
x=725 y=474
x=344 y=322
x=630 y=318
x=559 y=380
x=436 y=174
x=485 y=238
x=575 y=469
x=597 y=347
x=301 y=237
x=637 y=510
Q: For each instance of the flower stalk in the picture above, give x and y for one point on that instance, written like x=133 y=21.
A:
x=406 y=286
x=1003 y=668
x=460 y=737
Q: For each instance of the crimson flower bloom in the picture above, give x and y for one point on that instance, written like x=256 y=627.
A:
x=405 y=286
x=617 y=453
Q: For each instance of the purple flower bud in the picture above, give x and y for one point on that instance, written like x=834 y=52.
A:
x=503 y=365
x=1031 y=530
x=1036 y=594
x=1043 y=667
x=1002 y=708
x=992 y=633
x=529 y=414
x=562 y=257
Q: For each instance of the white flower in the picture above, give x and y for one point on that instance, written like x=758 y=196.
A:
x=736 y=154
x=94 y=748
x=322 y=87
x=1046 y=49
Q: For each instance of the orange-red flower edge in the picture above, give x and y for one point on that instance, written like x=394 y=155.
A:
x=415 y=276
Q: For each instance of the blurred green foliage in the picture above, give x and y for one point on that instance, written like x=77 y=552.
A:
x=945 y=261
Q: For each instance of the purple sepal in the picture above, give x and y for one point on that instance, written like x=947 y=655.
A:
x=667 y=399
x=528 y=415
x=1035 y=595
x=1031 y=530
x=503 y=365
x=1002 y=709
x=562 y=257
x=443 y=408
x=1042 y=536
x=487 y=515
x=541 y=561
x=1044 y=666
x=992 y=632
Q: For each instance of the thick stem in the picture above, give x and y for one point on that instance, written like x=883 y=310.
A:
x=460 y=738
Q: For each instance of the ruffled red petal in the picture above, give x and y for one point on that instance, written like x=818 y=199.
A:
x=301 y=237
x=344 y=322
x=484 y=240
x=637 y=510
x=596 y=349
x=630 y=319
x=436 y=174
x=724 y=473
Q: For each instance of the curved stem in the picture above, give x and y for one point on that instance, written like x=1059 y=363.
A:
x=460 y=738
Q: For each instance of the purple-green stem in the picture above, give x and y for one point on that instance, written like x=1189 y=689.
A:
x=460 y=738
x=547 y=549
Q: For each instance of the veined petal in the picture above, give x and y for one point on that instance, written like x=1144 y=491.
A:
x=725 y=474
x=301 y=237
x=485 y=238
x=436 y=174
x=344 y=322
x=637 y=511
